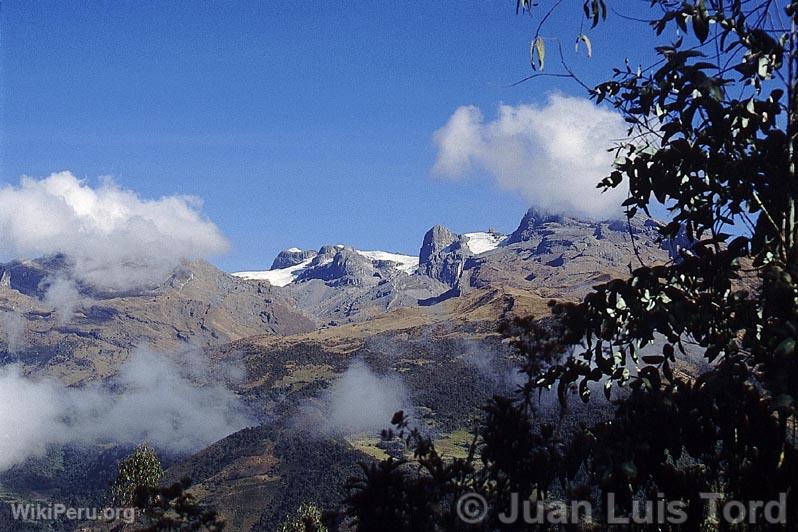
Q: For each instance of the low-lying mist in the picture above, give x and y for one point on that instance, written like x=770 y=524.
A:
x=63 y=296
x=12 y=327
x=360 y=401
x=151 y=399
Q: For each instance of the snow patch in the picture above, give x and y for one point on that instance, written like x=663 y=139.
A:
x=481 y=242
x=407 y=263
x=294 y=250
x=281 y=277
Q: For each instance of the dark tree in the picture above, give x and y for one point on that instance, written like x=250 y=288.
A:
x=141 y=468
x=174 y=509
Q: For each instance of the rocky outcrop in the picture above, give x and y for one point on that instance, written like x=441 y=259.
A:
x=564 y=257
x=345 y=268
x=443 y=255
x=530 y=223
x=292 y=257
x=28 y=276
x=436 y=240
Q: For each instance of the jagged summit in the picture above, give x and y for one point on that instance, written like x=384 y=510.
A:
x=338 y=264
x=441 y=258
x=291 y=257
x=449 y=258
x=436 y=240
x=533 y=219
x=443 y=253
x=344 y=266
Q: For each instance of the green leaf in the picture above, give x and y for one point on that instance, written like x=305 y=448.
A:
x=701 y=21
x=607 y=388
x=584 y=391
x=585 y=39
x=537 y=49
x=763 y=67
x=786 y=347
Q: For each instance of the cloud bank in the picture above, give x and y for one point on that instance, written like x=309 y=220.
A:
x=554 y=155
x=114 y=238
x=151 y=399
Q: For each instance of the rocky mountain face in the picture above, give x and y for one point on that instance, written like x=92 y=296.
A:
x=291 y=257
x=564 y=258
x=561 y=256
x=530 y=223
x=443 y=255
x=341 y=267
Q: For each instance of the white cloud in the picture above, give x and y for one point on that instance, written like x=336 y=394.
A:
x=63 y=296
x=27 y=412
x=116 y=239
x=554 y=155
x=358 y=402
x=151 y=399
x=12 y=325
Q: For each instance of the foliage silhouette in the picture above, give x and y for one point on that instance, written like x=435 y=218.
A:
x=713 y=134
x=141 y=468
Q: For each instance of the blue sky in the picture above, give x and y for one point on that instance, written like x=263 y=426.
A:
x=298 y=123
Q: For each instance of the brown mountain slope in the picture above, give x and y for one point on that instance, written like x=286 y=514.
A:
x=448 y=356
x=199 y=306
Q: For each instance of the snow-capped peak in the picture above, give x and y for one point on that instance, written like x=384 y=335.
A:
x=285 y=276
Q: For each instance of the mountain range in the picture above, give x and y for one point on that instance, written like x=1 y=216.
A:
x=326 y=343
